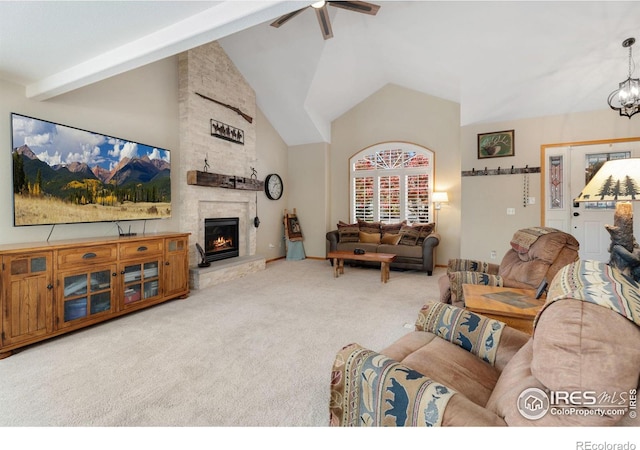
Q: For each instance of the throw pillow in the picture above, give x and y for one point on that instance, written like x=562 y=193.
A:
x=457 y=279
x=369 y=227
x=409 y=235
x=424 y=230
x=348 y=232
x=476 y=334
x=392 y=228
x=467 y=265
x=390 y=239
x=369 y=238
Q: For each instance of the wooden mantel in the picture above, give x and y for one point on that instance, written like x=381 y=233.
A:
x=198 y=178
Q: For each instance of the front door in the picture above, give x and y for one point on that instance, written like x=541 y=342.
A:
x=567 y=170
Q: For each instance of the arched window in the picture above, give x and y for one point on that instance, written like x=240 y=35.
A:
x=392 y=182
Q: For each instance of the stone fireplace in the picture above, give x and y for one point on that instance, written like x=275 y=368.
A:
x=207 y=70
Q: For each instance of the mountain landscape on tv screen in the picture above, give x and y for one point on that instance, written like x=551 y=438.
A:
x=136 y=188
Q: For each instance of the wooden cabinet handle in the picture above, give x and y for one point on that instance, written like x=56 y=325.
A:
x=49 y=286
x=142 y=248
x=89 y=255
x=166 y=263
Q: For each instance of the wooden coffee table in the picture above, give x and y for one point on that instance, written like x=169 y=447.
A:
x=515 y=307
x=383 y=258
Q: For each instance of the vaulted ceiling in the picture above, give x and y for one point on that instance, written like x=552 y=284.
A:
x=499 y=60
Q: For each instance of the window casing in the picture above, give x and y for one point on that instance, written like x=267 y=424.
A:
x=392 y=182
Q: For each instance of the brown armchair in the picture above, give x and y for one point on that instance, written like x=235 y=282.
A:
x=462 y=369
x=535 y=253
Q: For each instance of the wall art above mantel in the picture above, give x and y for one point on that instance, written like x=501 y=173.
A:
x=226 y=132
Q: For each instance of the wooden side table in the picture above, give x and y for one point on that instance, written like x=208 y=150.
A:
x=515 y=307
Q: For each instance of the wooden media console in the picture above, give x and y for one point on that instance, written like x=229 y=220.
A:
x=48 y=289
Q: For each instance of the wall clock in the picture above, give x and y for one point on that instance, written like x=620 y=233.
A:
x=273 y=186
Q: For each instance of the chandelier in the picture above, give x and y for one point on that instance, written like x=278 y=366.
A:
x=626 y=99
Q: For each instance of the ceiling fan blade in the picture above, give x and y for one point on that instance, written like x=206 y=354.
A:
x=325 y=23
x=284 y=19
x=361 y=7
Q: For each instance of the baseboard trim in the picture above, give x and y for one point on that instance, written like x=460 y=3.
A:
x=317 y=258
x=274 y=259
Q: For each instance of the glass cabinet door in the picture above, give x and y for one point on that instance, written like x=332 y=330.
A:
x=141 y=281
x=86 y=294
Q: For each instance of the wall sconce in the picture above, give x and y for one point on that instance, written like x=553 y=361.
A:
x=438 y=198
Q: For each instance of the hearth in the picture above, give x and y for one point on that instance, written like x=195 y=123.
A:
x=221 y=238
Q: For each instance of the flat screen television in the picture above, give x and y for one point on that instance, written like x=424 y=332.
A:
x=63 y=175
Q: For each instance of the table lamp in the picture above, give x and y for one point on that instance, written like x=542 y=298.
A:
x=618 y=181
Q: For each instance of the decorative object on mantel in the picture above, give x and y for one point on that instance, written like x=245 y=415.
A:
x=227 y=132
x=203 y=257
x=626 y=99
x=256 y=219
x=246 y=117
x=206 y=165
x=618 y=180
x=497 y=144
x=499 y=171
x=197 y=178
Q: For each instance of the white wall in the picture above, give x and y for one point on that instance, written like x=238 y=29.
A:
x=308 y=169
x=485 y=224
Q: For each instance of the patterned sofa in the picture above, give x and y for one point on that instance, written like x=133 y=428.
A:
x=414 y=245
x=461 y=369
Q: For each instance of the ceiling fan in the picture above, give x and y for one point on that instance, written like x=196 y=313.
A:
x=323 y=15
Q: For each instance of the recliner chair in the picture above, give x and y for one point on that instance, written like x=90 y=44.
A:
x=535 y=253
x=459 y=368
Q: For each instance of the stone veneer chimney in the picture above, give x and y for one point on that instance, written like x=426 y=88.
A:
x=209 y=71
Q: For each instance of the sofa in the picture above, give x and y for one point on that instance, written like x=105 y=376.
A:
x=535 y=254
x=581 y=366
x=414 y=245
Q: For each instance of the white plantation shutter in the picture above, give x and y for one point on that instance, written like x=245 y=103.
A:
x=389 y=199
x=417 y=198
x=391 y=182
x=364 y=198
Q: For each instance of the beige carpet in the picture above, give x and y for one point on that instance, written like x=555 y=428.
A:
x=255 y=352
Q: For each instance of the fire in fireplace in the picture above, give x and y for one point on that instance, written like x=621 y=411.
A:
x=221 y=238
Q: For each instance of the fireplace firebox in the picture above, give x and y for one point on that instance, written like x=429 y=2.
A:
x=221 y=238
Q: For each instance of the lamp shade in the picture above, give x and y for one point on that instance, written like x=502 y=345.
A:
x=617 y=180
x=440 y=197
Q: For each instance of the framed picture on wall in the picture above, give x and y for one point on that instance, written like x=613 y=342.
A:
x=496 y=144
